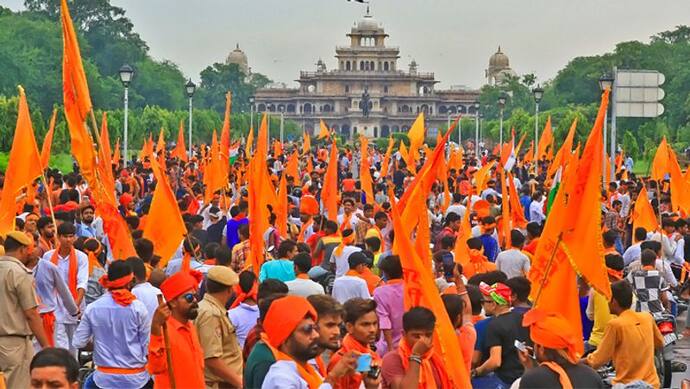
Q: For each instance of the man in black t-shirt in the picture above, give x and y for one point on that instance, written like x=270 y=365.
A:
x=557 y=349
x=502 y=365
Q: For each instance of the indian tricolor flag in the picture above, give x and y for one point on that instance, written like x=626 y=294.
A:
x=234 y=152
x=508 y=154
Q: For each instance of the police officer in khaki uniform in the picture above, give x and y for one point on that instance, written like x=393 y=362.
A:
x=20 y=318
x=222 y=353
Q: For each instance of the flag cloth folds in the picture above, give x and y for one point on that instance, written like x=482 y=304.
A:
x=164 y=211
x=116 y=153
x=365 y=172
x=250 y=142
x=180 y=150
x=281 y=209
x=387 y=158
x=306 y=143
x=680 y=189
x=329 y=194
x=643 y=214
x=416 y=134
x=23 y=166
x=660 y=164
x=324 y=133
x=225 y=137
x=292 y=166
x=546 y=141
x=566 y=148
x=48 y=142
x=420 y=290
x=582 y=223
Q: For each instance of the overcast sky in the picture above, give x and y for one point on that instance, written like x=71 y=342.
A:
x=452 y=38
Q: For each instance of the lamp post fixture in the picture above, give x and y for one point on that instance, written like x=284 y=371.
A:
x=538 y=93
x=190 y=88
x=126 y=75
x=476 y=129
x=605 y=83
x=501 y=107
x=251 y=112
x=282 y=121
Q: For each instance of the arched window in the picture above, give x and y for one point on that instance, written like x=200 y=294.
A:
x=385 y=66
x=261 y=107
x=307 y=108
x=361 y=65
x=347 y=65
x=371 y=65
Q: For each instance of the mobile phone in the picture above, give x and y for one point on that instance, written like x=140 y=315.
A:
x=374 y=372
x=363 y=363
x=524 y=348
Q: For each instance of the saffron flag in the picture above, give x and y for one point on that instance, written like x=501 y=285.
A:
x=461 y=249
x=420 y=290
x=225 y=137
x=324 y=133
x=116 y=153
x=481 y=177
x=517 y=214
x=164 y=211
x=545 y=141
x=48 y=142
x=23 y=166
x=680 y=190
x=505 y=212
x=281 y=209
x=416 y=134
x=565 y=150
x=292 y=166
x=365 y=172
x=250 y=143
x=660 y=164
x=306 y=144
x=105 y=167
x=582 y=222
x=387 y=158
x=261 y=194
x=643 y=214
x=180 y=150
x=329 y=194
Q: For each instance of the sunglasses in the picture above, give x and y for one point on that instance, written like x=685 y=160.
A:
x=189 y=297
x=307 y=329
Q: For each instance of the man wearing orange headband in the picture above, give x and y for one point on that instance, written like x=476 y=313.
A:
x=556 y=350
x=177 y=314
x=120 y=360
x=291 y=333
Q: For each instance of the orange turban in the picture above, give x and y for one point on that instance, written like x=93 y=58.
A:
x=482 y=208
x=552 y=330
x=283 y=317
x=179 y=283
x=308 y=205
x=125 y=199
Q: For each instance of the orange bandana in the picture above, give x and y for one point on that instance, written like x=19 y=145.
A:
x=121 y=296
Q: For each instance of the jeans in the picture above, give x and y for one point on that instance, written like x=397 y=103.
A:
x=489 y=381
x=89 y=383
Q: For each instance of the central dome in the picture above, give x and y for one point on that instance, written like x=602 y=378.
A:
x=368 y=23
x=499 y=59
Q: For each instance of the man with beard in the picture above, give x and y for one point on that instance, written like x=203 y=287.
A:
x=46 y=234
x=362 y=326
x=177 y=314
x=87 y=228
x=217 y=335
x=74 y=269
x=291 y=333
x=120 y=360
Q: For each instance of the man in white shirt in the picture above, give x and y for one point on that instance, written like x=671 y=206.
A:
x=536 y=208
x=339 y=264
x=74 y=270
x=514 y=262
x=145 y=292
x=633 y=252
x=351 y=285
x=302 y=285
x=456 y=207
x=668 y=237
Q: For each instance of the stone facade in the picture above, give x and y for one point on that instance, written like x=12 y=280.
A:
x=396 y=96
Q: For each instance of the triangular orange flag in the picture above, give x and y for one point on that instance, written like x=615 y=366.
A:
x=281 y=209
x=660 y=164
x=180 y=150
x=277 y=149
x=387 y=158
x=329 y=193
x=24 y=165
x=164 y=211
x=416 y=134
x=116 y=153
x=565 y=150
x=292 y=166
x=680 y=189
x=250 y=143
x=225 y=136
x=364 y=171
x=48 y=142
x=517 y=214
x=105 y=167
x=643 y=214
x=481 y=177
x=324 y=133
x=546 y=140
x=306 y=145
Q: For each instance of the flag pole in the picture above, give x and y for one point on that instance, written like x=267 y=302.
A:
x=48 y=192
x=168 y=355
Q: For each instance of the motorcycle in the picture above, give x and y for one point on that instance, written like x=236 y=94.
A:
x=663 y=358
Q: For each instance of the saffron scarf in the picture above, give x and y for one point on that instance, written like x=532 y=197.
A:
x=71 y=271
x=306 y=371
x=117 y=289
x=344 y=242
x=426 y=370
x=303 y=229
x=241 y=295
x=346 y=224
x=562 y=375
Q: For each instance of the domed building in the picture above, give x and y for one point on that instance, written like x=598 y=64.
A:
x=367 y=70
x=239 y=58
x=499 y=68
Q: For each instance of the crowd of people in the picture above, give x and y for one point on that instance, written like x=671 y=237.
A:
x=327 y=306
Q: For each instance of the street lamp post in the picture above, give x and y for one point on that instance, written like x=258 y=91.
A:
x=538 y=93
x=282 y=122
x=476 y=129
x=605 y=83
x=190 y=88
x=126 y=74
x=501 y=107
x=251 y=112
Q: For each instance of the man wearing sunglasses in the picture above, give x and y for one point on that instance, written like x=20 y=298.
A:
x=176 y=314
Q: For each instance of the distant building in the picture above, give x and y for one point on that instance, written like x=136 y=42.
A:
x=366 y=66
x=499 y=68
x=239 y=58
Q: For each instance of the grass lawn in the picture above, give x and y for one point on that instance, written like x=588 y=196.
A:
x=63 y=162
x=641 y=167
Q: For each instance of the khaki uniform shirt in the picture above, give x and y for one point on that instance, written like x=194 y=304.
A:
x=217 y=336
x=17 y=294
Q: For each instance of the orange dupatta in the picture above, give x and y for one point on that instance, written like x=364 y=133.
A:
x=426 y=370
x=306 y=371
x=71 y=272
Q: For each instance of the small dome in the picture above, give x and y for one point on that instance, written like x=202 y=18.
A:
x=499 y=59
x=238 y=57
x=368 y=23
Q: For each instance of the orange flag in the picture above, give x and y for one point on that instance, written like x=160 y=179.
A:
x=481 y=177
x=517 y=214
x=105 y=167
x=160 y=148
x=582 y=222
x=116 y=153
x=277 y=149
x=23 y=166
x=643 y=214
x=146 y=148
x=164 y=211
x=680 y=189
x=565 y=150
x=292 y=166
x=281 y=209
x=387 y=158
x=529 y=155
x=225 y=136
x=505 y=211
x=214 y=177
x=76 y=98
x=324 y=133
x=364 y=172
x=306 y=145
x=546 y=140
x=404 y=154
x=660 y=164
x=461 y=250
x=519 y=145
x=329 y=193
x=455 y=160
x=180 y=150
x=250 y=143
x=261 y=194
x=420 y=290
x=48 y=142
x=416 y=134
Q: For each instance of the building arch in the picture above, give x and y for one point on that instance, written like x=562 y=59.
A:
x=261 y=107
x=291 y=107
x=405 y=128
x=396 y=129
x=361 y=65
x=385 y=66
x=385 y=131
x=345 y=130
x=308 y=108
x=347 y=65
x=442 y=110
x=326 y=108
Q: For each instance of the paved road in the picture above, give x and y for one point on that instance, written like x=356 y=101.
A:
x=682 y=352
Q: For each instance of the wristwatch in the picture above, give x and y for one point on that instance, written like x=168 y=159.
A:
x=415 y=358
